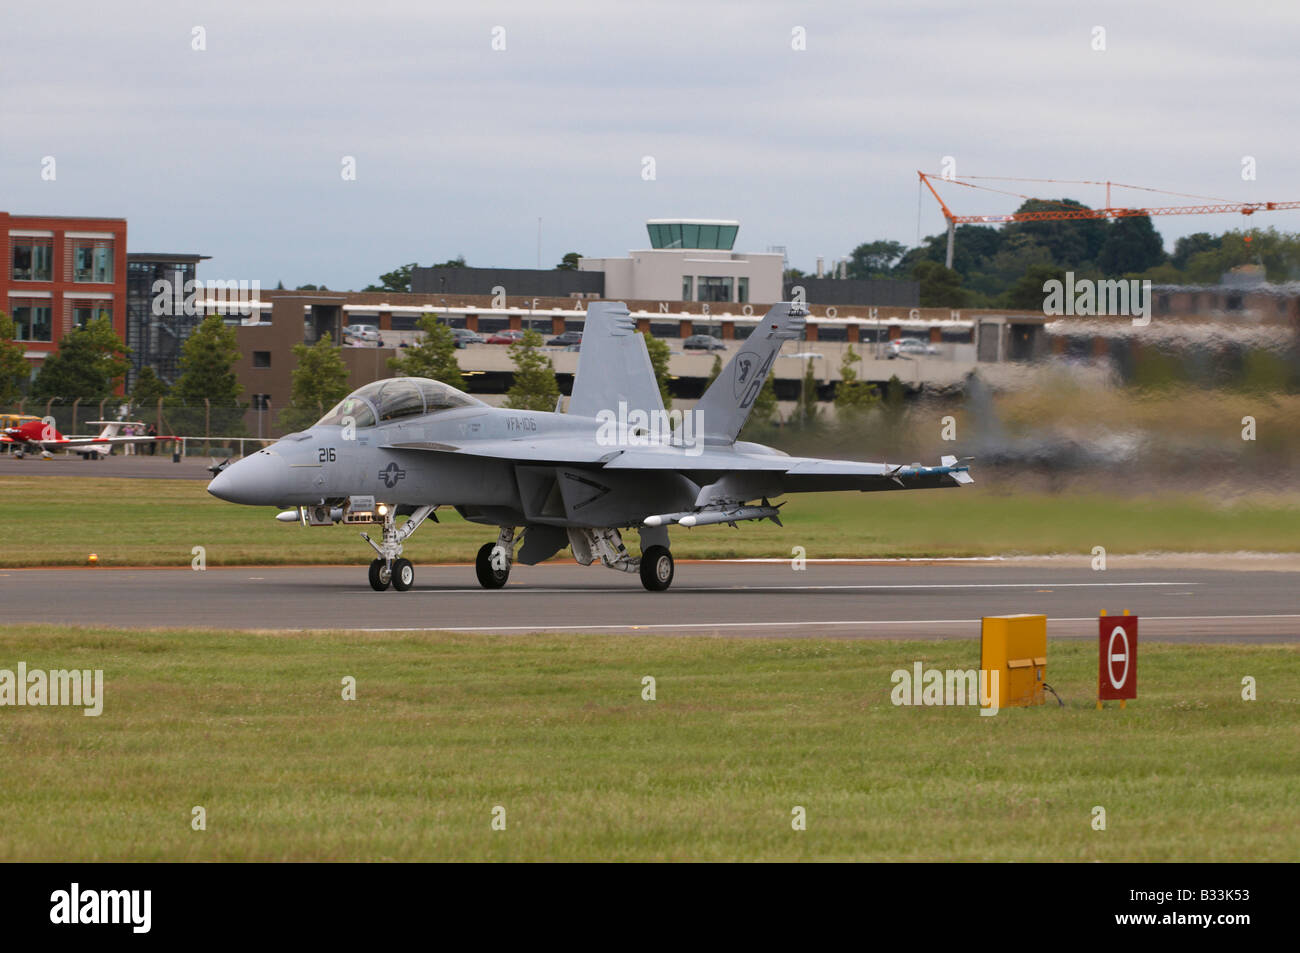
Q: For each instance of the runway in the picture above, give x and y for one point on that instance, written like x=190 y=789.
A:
x=730 y=599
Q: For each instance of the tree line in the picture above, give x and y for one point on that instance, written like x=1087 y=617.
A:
x=1004 y=266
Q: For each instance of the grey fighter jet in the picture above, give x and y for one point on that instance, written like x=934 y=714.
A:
x=614 y=460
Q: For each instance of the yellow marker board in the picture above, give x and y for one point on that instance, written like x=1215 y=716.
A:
x=1015 y=646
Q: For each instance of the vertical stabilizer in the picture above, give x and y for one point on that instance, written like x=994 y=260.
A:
x=725 y=406
x=613 y=365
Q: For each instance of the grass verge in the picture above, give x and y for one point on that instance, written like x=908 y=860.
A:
x=554 y=729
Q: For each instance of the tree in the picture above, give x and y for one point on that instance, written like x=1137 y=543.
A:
x=763 y=413
x=433 y=357
x=852 y=394
x=399 y=279
x=319 y=382
x=1074 y=244
x=940 y=286
x=1132 y=244
x=1189 y=245
x=457 y=262
x=875 y=259
x=1027 y=294
x=659 y=358
x=806 y=412
x=14 y=369
x=149 y=389
x=893 y=405
x=208 y=359
x=311 y=288
x=89 y=364
x=715 y=370
x=534 y=387
x=569 y=262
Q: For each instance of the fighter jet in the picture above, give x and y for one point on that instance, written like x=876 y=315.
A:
x=615 y=460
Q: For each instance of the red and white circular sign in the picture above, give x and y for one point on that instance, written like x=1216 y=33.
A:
x=1117 y=658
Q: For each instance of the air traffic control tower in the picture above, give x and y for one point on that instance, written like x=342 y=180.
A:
x=691 y=259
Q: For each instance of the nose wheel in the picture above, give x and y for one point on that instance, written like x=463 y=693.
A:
x=380 y=576
x=401 y=577
x=390 y=569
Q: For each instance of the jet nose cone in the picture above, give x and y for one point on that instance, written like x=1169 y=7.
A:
x=221 y=486
x=259 y=480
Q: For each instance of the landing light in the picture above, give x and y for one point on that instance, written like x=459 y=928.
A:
x=382 y=509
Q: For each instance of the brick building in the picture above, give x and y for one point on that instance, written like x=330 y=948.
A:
x=59 y=273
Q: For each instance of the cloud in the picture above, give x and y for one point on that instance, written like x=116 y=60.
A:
x=235 y=150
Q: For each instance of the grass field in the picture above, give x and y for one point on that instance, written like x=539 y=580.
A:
x=553 y=728
x=58 y=521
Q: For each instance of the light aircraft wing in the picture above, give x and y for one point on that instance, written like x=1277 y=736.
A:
x=68 y=442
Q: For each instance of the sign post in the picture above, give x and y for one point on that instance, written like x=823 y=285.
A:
x=1117 y=642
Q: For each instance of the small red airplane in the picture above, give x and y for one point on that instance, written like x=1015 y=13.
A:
x=40 y=435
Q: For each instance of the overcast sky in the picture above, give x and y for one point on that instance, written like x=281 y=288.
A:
x=236 y=151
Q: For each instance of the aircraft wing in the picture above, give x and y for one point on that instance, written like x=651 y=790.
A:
x=794 y=474
x=799 y=474
x=811 y=475
x=521 y=450
x=94 y=442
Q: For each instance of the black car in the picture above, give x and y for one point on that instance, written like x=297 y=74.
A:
x=465 y=337
x=565 y=339
x=704 y=342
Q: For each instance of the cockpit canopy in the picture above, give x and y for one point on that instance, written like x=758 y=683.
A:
x=382 y=401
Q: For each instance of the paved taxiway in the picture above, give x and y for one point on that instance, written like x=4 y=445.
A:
x=730 y=599
x=139 y=466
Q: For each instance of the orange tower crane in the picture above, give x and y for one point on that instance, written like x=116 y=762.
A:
x=1066 y=213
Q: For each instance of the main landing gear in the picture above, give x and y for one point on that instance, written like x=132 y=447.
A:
x=656 y=568
x=492 y=566
x=389 y=569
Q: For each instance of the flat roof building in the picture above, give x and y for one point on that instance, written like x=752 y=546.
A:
x=691 y=259
x=155 y=334
x=60 y=272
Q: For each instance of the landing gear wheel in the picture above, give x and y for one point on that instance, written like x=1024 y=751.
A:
x=657 y=568
x=489 y=577
x=403 y=575
x=380 y=577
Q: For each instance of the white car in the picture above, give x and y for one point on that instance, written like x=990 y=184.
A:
x=365 y=333
x=910 y=347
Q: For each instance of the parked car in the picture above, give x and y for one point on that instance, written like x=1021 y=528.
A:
x=910 y=347
x=465 y=337
x=505 y=337
x=565 y=339
x=704 y=342
x=365 y=333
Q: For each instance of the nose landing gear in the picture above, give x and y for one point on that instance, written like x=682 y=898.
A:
x=390 y=569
